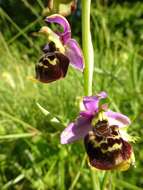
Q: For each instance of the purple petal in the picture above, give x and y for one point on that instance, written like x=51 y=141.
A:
x=56 y=18
x=74 y=54
x=91 y=102
x=75 y=131
x=87 y=114
x=115 y=118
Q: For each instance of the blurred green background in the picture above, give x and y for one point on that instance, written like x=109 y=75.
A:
x=31 y=156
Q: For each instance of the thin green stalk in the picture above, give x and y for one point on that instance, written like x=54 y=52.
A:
x=87 y=47
x=95 y=180
x=78 y=174
x=105 y=180
x=3 y=13
x=89 y=65
x=24 y=30
x=16 y=136
x=127 y=185
x=31 y=8
x=23 y=123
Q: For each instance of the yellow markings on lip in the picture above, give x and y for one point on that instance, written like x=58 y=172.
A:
x=45 y=66
x=92 y=138
x=40 y=64
x=114 y=147
x=96 y=144
x=52 y=62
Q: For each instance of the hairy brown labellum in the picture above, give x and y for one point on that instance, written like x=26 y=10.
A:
x=105 y=147
x=52 y=66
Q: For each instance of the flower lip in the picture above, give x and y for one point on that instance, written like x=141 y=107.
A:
x=106 y=149
x=51 y=67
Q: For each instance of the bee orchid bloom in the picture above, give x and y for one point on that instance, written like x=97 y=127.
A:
x=61 y=51
x=101 y=129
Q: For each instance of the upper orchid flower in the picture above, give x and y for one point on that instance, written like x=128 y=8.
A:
x=105 y=137
x=61 y=51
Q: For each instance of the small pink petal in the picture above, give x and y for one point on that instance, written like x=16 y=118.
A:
x=115 y=118
x=75 y=131
x=74 y=54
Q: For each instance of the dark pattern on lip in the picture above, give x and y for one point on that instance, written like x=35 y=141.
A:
x=106 y=152
x=102 y=128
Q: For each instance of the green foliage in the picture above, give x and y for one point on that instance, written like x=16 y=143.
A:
x=31 y=156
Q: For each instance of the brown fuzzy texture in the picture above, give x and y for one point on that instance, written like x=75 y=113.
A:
x=47 y=72
x=99 y=146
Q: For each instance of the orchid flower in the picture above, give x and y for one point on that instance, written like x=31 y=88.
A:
x=104 y=135
x=60 y=51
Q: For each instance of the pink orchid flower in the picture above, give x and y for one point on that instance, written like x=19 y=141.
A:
x=60 y=51
x=100 y=128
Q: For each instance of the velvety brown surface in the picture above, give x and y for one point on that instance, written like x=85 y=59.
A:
x=47 y=72
x=99 y=147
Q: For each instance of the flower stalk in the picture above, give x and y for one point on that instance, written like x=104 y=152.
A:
x=89 y=62
x=89 y=65
x=87 y=47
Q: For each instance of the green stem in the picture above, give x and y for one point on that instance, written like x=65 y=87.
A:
x=89 y=65
x=95 y=180
x=105 y=180
x=78 y=174
x=87 y=47
x=16 y=136
x=127 y=185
